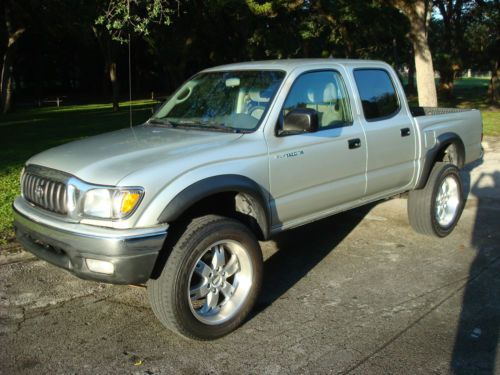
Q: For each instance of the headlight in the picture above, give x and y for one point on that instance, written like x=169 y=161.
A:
x=111 y=203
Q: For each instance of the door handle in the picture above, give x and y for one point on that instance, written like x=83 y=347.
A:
x=354 y=143
x=405 y=132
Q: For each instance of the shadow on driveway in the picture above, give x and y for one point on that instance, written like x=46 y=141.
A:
x=301 y=249
x=476 y=341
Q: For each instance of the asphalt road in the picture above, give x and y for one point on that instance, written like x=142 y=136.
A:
x=359 y=293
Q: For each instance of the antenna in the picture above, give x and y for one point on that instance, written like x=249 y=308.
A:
x=129 y=71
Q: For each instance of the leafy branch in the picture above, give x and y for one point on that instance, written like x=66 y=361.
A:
x=122 y=17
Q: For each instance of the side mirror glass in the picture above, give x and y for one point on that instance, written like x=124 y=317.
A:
x=300 y=120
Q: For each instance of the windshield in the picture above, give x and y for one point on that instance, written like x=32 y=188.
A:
x=233 y=101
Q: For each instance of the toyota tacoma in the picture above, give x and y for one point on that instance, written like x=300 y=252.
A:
x=239 y=153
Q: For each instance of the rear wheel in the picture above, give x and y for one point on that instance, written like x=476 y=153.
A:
x=210 y=281
x=435 y=209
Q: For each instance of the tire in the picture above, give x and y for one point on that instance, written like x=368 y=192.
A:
x=210 y=281
x=435 y=209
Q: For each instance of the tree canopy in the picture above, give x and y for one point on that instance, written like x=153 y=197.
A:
x=79 y=48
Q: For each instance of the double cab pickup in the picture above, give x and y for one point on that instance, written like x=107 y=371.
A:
x=237 y=154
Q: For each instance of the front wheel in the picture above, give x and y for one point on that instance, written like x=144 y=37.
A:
x=435 y=209
x=210 y=281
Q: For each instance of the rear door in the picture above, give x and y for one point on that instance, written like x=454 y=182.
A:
x=390 y=132
x=312 y=173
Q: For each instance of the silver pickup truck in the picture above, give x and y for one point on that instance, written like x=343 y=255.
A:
x=237 y=154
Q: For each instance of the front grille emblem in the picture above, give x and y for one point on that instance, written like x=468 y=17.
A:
x=39 y=191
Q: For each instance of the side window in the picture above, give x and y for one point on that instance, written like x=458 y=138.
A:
x=377 y=93
x=325 y=92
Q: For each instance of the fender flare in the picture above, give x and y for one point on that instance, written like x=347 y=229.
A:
x=442 y=142
x=220 y=184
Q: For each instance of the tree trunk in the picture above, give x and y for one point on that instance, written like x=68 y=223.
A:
x=451 y=41
x=493 y=86
x=411 y=76
x=446 y=78
x=418 y=13
x=107 y=47
x=305 y=48
x=6 y=82
x=6 y=77
x=113 y=77
x=7 y=93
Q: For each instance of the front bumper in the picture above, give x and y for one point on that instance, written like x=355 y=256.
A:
x=133 y=252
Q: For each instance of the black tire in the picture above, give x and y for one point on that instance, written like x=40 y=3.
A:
x=169 y=294
x=422 y=206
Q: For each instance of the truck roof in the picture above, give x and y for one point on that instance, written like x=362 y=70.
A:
x=291 y=64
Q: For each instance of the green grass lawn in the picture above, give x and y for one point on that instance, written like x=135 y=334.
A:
x=491 y=123
x=27 y=132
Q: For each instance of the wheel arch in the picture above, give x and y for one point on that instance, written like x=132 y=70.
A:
x=437 y=153
x=250 y=200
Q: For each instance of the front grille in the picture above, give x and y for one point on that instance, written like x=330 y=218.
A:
x=45 y=193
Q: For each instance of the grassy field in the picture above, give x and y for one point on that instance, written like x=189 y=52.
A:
x=27 y=132
x=491 y=123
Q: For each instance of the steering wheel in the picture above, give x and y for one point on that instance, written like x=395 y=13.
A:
x=257 y=111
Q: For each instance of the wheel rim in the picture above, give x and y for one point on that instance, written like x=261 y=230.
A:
x=447 y=201
x=219 y=282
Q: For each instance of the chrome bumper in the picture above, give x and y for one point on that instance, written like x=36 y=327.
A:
x=133 y=252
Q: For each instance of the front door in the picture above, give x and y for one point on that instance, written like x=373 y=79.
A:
x=313 y=173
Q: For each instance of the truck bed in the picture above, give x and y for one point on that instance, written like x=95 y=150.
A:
x=434 y=122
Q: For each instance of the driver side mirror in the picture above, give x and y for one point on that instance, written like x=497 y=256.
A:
x=298 y=121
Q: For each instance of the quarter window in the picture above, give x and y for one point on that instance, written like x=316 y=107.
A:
x=325 y=92
x=377 y=93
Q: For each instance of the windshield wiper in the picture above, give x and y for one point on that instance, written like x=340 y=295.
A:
x=209 y=125
x=197 y=124
x=162 y=122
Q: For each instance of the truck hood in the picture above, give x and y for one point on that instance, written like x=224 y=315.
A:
x=107 y=158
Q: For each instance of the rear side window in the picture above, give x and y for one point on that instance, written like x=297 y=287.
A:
x=378 y=96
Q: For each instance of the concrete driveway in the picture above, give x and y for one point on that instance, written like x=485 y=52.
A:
x=359 y=293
